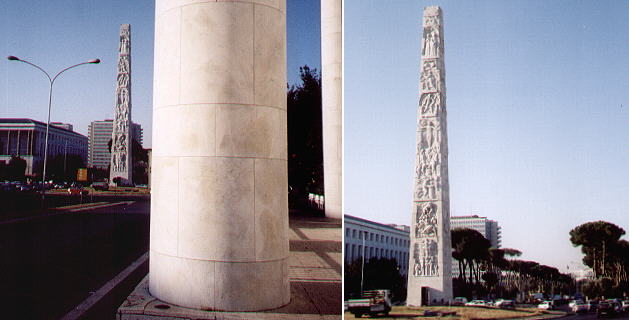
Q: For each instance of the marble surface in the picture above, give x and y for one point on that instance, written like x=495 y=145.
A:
x=219 y=224
x=332 y=104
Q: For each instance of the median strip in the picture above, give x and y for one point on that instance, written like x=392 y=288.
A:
x=64 y=210
x=80 y=205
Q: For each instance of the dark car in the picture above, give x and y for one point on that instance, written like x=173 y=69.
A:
x=592 y=305
x=103 y=186
x=605 y=309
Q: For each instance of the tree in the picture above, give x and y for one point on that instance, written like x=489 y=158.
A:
x=471 y=249
x=16 y=168
x=378 y=273
x=597 y=240
x=305 y=146
x=64 y=167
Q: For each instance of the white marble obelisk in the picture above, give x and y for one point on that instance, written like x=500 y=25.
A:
x=219 y=207
x=429 y=276
x=332 y=104
x=120 y=163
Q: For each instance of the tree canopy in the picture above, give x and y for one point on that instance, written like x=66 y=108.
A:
x=604 y=251
x=305 y=146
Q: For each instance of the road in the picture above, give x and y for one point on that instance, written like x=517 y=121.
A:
x=52 y=260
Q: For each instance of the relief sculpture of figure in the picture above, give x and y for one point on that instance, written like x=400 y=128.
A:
x=428 y=132
x=426 y=220
x=124 y=45
x=123 y=66
x=429 y=103
x=431 y=44
x=123 y=80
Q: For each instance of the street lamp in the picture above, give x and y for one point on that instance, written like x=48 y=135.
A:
x=52 y=81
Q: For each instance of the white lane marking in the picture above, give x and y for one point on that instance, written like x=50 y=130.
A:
x=102 y=206
x=88 y=303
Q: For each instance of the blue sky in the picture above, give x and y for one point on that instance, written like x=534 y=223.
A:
x=57 y=34
x=538 y=115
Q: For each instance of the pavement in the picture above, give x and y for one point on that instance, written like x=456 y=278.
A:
x=315 y=266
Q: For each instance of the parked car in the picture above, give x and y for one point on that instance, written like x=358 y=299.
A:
x=459 y=301
x=574 y=302
x=616 y=304
x=592 y=305
x=546 y=305
x=103 y=186
x=580 y=307
x=476 y=303
x=605 y=309
x=505 y=304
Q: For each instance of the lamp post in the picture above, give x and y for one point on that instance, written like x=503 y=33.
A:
x=52 y=81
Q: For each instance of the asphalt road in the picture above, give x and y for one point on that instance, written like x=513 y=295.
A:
x=52 y=260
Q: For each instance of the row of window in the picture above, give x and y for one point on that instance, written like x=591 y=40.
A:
x=353 y=252
x=371 y=236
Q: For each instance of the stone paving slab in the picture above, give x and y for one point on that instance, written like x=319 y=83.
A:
x=314 y=274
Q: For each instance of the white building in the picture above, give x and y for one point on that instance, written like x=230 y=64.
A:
x=26 y=138
x=376 y=240
x=488 y=228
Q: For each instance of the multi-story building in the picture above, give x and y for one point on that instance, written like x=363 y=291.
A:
x=376 y=240
x=488 y=228
x=99 y=135
x=26 y=138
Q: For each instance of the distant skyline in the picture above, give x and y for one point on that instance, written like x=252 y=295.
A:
x=538 y=118
x=57 y=34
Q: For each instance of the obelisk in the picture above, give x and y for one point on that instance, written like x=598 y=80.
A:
x=429 y=277
x=219 y=201
x=121 y=165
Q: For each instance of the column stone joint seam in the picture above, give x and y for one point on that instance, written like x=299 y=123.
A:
x=220 y=103
x=180 y=46
x=253 y=51
x=254 y=209
x=217 y=1
x=178 y=204
x=220 y=261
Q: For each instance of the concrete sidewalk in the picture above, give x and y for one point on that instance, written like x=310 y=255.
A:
x=315 y=265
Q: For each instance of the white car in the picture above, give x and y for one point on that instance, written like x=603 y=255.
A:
x=459 y=301
x=505 y=304
x=574 y=302
x=546 y=305
x=476 y=303
x=580 y=307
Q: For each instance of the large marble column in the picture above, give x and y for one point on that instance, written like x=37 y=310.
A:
x=430 y=276
x=219 y=207
x=332 y=104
